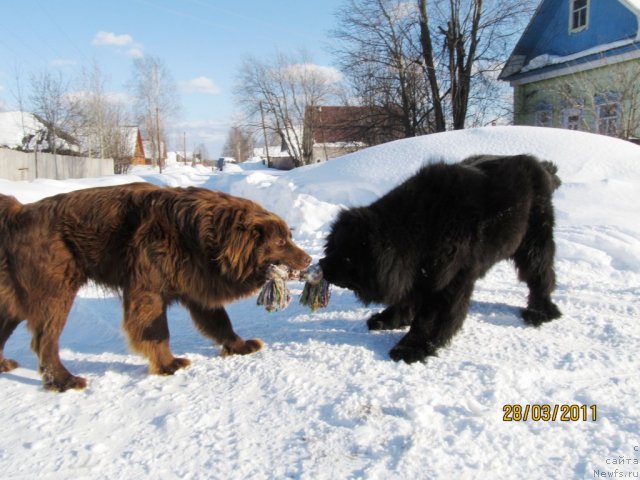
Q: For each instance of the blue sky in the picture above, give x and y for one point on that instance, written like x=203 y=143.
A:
x=201 y=42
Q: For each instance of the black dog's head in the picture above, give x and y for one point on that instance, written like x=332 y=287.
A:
x=349 y=260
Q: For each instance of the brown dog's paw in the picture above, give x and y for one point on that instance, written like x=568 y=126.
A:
x=171 y=368
x=6 y=365
x=62 y=385
x=242 y=347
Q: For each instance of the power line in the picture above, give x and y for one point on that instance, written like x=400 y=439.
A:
x=62 y=31
x=216 y=24
x=274 y=26
x=24 y=44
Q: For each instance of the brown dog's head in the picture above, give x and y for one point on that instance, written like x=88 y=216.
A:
x=256 y=241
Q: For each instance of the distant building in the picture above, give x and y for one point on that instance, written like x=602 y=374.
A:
x=577 y=66
x=332 y=131
x=134 y=145
x=149 y=149
x=122 y=143
x=277 y=156
x=329 y=132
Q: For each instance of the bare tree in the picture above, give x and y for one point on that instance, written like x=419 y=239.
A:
x=17 y=91
x=280 y=91
x=102 y=115
x=105 y=128
x=435 y=63
x=474 y=34
x=52 y=102
x=239 y=144
x=156 y=101
x=18 y=94
x=378 y=55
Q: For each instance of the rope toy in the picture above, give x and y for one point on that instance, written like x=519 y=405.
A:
x=275 y=294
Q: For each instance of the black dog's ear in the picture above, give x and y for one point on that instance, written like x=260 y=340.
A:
x=450 y=250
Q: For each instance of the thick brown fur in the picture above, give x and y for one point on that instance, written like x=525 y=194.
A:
x=154 y=245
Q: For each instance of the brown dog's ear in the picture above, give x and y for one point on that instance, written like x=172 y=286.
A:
x=256 y=230
x=237 y=251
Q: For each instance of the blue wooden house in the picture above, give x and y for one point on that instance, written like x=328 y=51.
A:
x=577 y=66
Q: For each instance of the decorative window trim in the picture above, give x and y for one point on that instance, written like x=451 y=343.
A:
x=579 y=15
x=572 y=118
x=543 y=115
x=607 y=97
x=608 y=113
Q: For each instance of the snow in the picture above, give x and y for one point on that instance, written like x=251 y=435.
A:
x=23 y=129
x=14 y=126
x=633 y=5
x=546 y=59
x=323 y=399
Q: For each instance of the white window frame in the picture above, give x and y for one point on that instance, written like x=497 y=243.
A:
x=605 y=121
x=573 y=11
x=606 y=103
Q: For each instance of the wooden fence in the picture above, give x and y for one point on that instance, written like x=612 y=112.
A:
x=16 y=165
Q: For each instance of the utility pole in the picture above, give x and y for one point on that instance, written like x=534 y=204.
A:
x=264 y=133
x=184 y=146
x=158 y=139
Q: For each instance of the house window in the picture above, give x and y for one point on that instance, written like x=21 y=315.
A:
x=609 y=118
x=543 y=116
x=579 y=15
x=572 y=118
x=608 y=113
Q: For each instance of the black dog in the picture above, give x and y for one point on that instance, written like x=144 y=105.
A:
x=421 y=247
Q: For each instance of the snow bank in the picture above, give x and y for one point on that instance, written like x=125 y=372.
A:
x=323 y=400
x=581 y=157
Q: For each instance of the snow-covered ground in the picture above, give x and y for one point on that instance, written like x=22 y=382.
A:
x=323 y=399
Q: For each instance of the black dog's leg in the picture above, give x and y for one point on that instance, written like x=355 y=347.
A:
x=395 y=316
x=534 y=262
x=439 y=317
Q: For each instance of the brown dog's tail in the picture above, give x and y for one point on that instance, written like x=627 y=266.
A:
x=9 y=207
x=552 y=170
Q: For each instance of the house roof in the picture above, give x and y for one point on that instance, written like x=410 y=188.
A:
x=131 y=135
x=548 y=49
x=273 y=150
x=339 y=124
x=27 y=130
x=14 y=126
x=126 y=137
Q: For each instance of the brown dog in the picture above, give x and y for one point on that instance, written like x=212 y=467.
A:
x=154 y=245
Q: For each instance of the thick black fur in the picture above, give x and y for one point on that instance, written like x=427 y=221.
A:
x=421 y=247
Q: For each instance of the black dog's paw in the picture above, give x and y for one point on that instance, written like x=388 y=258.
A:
x=539 y=315
x=386 y=321
x=411 y=353
x=379 y=322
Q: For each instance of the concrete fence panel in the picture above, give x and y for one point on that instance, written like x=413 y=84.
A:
x=16 y=165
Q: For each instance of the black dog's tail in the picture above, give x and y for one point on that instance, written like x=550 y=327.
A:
x=552 y=170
